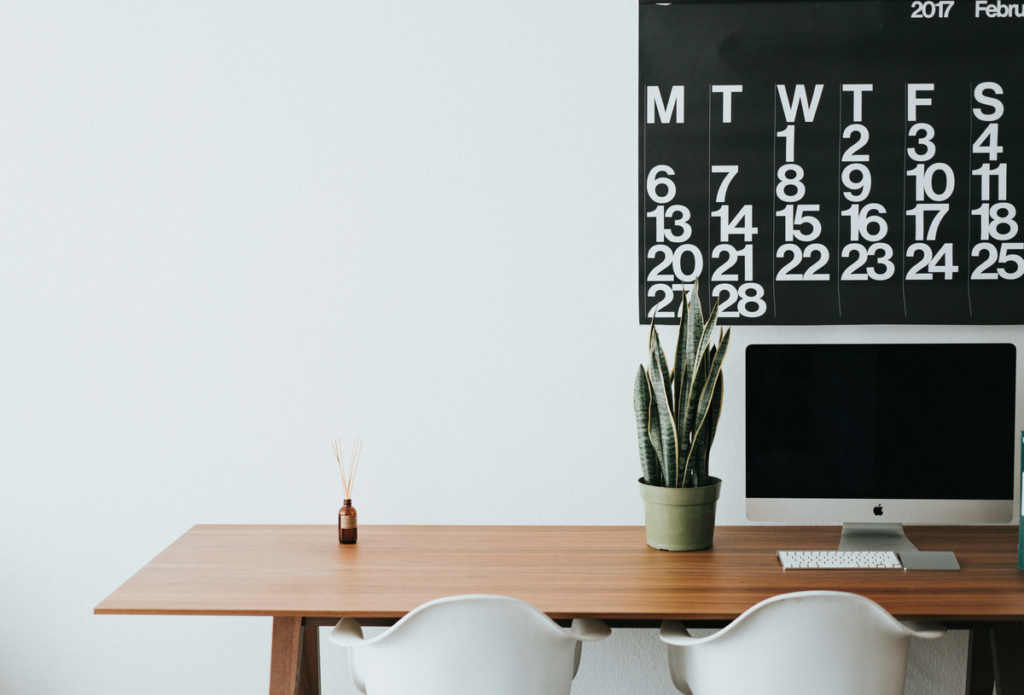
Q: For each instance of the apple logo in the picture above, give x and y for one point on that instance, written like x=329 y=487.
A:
x=878 y=510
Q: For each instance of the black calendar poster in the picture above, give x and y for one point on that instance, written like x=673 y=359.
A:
x=833 y=162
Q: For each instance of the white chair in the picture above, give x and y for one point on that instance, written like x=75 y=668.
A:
x=805 y=643
x=468 y=645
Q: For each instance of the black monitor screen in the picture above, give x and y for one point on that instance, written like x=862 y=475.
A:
x=929 y=422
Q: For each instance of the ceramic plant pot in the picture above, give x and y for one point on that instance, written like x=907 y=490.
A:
x=680 y=518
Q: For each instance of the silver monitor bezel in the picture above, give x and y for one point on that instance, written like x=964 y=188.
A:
x=837 y=511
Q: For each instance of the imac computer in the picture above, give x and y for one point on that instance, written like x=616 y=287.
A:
x=876 y=436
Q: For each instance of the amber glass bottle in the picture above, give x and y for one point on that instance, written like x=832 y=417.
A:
x=347 y=529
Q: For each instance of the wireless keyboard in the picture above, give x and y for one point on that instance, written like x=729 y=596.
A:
x=839 y=559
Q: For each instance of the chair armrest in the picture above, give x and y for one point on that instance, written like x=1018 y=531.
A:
x=924 y=630
x=347 y=633
x=674 y=632
x=587 y=630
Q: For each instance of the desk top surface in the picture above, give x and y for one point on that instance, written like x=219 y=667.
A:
x=566 y=571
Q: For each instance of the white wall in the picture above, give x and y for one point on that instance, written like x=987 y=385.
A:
x=232 y=231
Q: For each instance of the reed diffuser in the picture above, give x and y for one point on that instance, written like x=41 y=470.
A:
x=347 y=527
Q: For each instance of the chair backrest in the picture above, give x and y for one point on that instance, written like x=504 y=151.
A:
x=806 y=643
x=468 y=645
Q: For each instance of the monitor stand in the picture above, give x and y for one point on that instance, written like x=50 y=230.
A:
x=890 y=537
x=875 y=537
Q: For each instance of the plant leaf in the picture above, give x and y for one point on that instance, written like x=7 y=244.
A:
x=708 y=333
x=689 y=336
x=714 y=414
x=693 y=331
x=716 y=408
x=698 y=470
x=689 y=403
x=658 y=359
x=666 y=425
x=707 y=393
x=696 y=381
x=642 y=406
x=654 y=429
x=679 y=366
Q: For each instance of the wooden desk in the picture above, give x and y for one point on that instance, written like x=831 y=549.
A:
x=302 y=577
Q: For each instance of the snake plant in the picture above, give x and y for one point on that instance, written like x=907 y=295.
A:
x=677 y=410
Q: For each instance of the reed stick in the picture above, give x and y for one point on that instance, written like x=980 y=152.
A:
x=348 y=479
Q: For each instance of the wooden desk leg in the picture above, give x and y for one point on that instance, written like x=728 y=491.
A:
x=294 y=658
x=980 y=671
x=1007 y=655
x=309 y=671
x=994 y=655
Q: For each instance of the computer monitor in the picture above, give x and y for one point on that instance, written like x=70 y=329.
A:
x=869 y=434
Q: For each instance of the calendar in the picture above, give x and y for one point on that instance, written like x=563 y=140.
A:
x=818 y=163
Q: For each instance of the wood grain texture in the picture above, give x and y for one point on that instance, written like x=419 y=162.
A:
x=309 y=664
x=285 y=648
x=567 y=572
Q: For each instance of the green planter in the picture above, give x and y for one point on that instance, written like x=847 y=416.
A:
x=680 y=518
